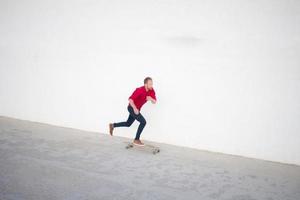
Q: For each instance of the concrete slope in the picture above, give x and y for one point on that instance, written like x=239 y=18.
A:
x=40 y=161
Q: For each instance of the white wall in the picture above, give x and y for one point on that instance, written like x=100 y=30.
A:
x=226 y=73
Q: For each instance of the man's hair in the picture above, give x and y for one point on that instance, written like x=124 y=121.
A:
x=147 y=79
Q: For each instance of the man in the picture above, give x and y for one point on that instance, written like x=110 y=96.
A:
x=138 y=98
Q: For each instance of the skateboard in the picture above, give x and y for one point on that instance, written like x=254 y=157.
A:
x=152 y=148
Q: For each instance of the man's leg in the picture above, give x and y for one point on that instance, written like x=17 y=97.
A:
x=143 y=122
x=128 y=123
x=139 y=118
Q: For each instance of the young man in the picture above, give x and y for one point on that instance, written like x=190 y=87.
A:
x=138 y=98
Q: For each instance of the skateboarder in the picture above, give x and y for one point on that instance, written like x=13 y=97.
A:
x=138 y=98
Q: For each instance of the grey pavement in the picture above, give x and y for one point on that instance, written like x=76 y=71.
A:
x=43 y=162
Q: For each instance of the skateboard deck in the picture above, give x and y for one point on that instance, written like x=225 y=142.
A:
x=149 y=147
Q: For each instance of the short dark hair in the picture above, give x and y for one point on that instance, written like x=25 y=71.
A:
x=147 y=79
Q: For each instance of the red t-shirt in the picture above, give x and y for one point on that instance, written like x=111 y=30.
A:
x=139 y=96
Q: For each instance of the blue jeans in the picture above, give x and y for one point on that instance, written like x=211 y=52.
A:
x=132 y=116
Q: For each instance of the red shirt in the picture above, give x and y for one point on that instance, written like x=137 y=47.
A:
x=139 y=96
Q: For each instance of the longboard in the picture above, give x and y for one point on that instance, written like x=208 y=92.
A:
x=152 y=148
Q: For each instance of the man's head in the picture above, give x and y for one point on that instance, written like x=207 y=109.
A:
x=148 y=83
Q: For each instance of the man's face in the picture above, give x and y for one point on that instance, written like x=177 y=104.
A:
x=149 y=84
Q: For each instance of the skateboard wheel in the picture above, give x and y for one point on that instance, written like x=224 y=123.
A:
x=155 y=151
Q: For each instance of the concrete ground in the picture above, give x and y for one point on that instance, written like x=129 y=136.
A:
x=42 y=162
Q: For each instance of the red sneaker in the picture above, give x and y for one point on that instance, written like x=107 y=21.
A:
x=111 y=129
x=138 y=142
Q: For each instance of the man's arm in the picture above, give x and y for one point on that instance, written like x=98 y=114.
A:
x=152 y=97
x=149 y=98
x=131 y=102
x=134 y=95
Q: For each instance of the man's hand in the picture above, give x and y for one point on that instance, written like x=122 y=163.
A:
x=149 y=98
x=136 y=111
